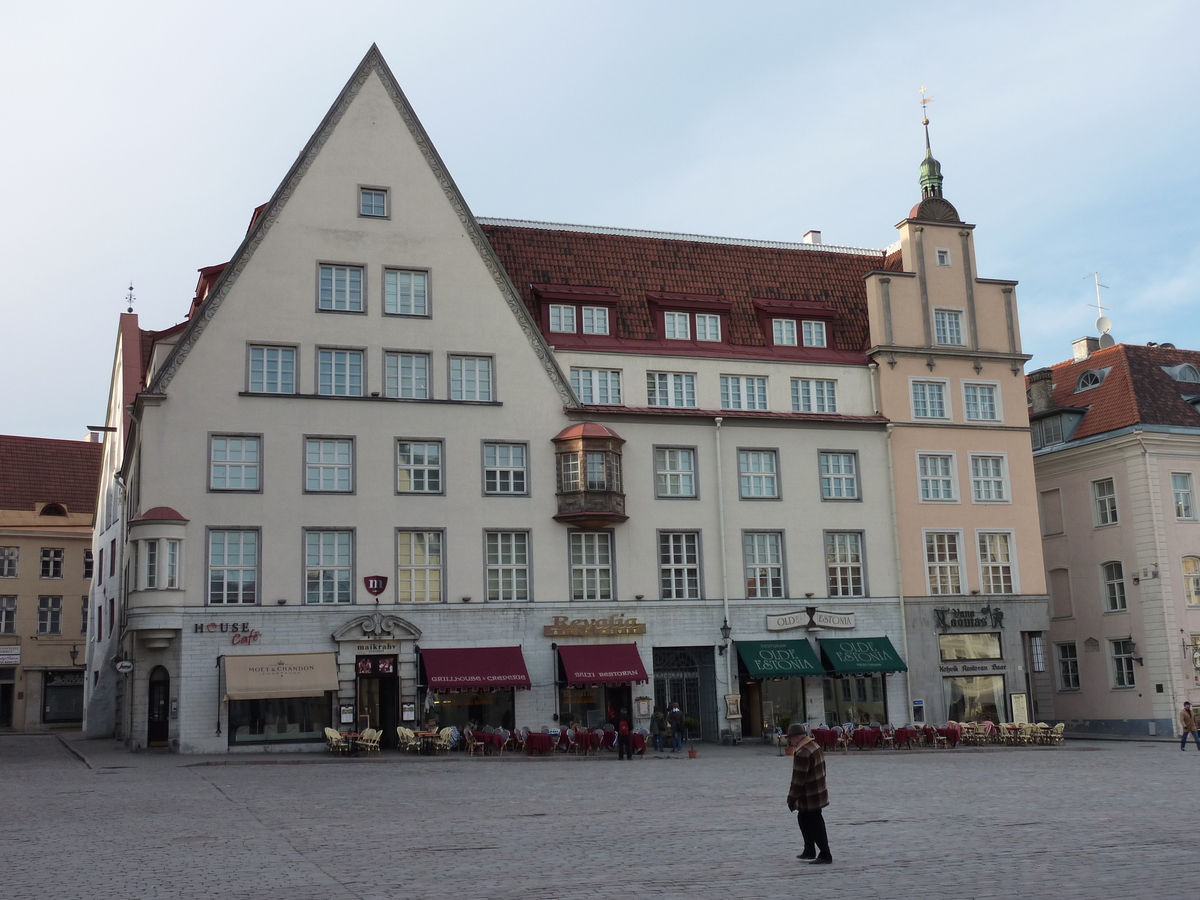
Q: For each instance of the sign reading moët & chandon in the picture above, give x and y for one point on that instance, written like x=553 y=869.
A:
x=810 y=617
x=611 y=626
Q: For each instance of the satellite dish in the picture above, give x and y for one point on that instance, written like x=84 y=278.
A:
x=1104 y=324
x=1106 y=340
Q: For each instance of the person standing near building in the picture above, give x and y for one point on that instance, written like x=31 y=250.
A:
x=675 y=720
x=1187 y=722
x=807 y=795
x=658 y=723
x=624 y=736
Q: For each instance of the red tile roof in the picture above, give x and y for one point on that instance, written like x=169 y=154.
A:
x=160 y=514
x=638 y=267
x=43 y=470
x=1135 y=391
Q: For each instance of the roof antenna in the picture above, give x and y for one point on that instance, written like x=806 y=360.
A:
x=1103 y=323
x=129 y=298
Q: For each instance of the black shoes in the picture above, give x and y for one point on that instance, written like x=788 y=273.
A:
x=821 y=861
x=812 y=855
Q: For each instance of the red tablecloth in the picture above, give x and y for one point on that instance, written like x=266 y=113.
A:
x=906 y=735
x=866 y=737
x=587 y=740
x=609 y=740
x=950 y=734
x=826 y=737
x=639 y=743
x=494 y=740
x=538 y=742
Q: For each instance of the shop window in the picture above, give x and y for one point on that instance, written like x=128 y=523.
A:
x=970 y=646
x=975 y=698
x=62 y=697
x=277 y=721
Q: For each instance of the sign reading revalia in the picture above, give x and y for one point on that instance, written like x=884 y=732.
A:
x=612 y=626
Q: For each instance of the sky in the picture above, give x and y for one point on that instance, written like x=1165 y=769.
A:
x=139 y=136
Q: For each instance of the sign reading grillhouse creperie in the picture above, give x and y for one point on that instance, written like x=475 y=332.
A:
x=611 y=626
x=811 y=618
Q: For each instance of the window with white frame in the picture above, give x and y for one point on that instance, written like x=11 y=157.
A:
x=1191 y=580
x=814 y=395
x=328 y=558
x=674 y=472
x=8 y=614
x=1113 y=576
x=947 y=327
x=743 y=392
x=929 y=399
x=591 y=565
x=568 y=473
x=162 y=565
x=677 y=326
x=340 y=288
x=757 y=475
x=8 y=561
x=1044 y=432
x=1181 y=488
x=470 y=378
x=943 y=256
x=1122 y=662
x=708 y=328
x=942 y=563
x=504 y=469
x=987 y=479
x=1068 y=666
x=328 y=464
x=763 y=552
x=995 y=562
x=979 y=401
x=1104 y=501
x=935 y=475
x=813 y=334
x=419 y=467
x=405 y=293
x=52 y=562
x=784 y=332
x=595 y=319
x=562 y=318
x=599 y=387
x=372 y=202
x=233 y=463
x=507 y=565
x=273 y=370
x=340 y=373
x=49 y=615
x=232 y=567
x=679 y=565
x=839 y=476
x=844 y=563
x=670 y=389
x=419 y=573
x=406 y=375
x=89 y=564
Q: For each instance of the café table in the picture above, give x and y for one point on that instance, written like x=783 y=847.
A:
x=638 y=743
x=351 y=737
x=428 y=742
x=587 y=741
x=489 y=741
x=826 y=737
x=906 y=736
x=866 y=737
x=951 y=734
x=540 y=743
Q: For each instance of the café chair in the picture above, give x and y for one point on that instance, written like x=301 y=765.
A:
x=473 y=746
x=370 y=740
x=444 y=740
x=334 y=742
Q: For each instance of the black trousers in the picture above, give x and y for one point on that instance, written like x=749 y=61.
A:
x=624 y=746
x=812 y=827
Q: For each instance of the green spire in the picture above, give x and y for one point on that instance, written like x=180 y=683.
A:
x=931 y=169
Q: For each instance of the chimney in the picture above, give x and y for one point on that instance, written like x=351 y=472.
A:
x=1085 y=347
x=1041 y=388
x=812 y=237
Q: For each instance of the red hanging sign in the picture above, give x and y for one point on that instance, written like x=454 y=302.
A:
x=375 y=584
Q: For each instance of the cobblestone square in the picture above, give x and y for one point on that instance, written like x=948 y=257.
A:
x=1089 y=819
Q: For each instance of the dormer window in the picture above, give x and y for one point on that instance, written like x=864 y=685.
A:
x=595 y=320
x=943 y=256
x=562 y=318
x=708 y=328
x=677 y=326
x=814 y=334
x=784 y=331
x=1089 y=379
x=1185 y=372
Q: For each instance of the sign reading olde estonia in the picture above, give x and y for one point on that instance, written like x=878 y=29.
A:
x=375 y=584
x=613 y=626
x=811 y=618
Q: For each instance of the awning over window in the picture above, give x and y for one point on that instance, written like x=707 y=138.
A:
x=472 y=668
x=608 y=664
x=856 y=656
x=269 y=677
x=776 y=659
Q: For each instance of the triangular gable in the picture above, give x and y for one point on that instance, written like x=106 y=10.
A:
x=372 y=62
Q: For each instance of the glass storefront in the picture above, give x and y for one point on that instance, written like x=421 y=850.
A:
x=475 y=709
x=272 y=721
x=857 y=699
x=782 y=699
x=593 y=707
x=969 y=646
x=974 y=698
x=62 y=700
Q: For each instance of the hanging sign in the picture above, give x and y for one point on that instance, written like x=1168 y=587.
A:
x=375 y=584
x=124 y=666
x=811 y=618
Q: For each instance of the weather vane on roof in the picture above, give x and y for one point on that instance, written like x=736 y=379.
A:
x=129 y=298
x=925 y=101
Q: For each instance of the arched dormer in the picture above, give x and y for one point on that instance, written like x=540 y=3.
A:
x=53 y=509
x=588 y=471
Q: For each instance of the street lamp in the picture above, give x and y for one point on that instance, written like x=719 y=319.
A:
x=725 y=632
x=74 y=654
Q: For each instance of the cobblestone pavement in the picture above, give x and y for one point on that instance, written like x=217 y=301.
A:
x=1094 y=820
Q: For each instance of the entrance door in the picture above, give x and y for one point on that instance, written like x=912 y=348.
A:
x=158 y=721
x=677 y=680
x=6 y=705
x=379 y=696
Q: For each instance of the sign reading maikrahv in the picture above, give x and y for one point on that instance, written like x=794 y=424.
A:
x=613 y=626
x=810 y=617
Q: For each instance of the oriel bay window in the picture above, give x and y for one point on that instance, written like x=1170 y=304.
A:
x=588 y=472
x=161 y=565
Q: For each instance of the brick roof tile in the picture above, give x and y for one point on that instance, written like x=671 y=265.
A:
x=44 y=470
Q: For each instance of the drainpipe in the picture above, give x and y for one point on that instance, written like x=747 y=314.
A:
x=899 y=572
x=1173 y=665
x=724 y=563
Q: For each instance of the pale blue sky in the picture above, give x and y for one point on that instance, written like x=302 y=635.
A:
x=140 y=135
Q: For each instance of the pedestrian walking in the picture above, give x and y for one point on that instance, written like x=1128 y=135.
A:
x=658 y=724
x=807 y=795
x=1187 y=722
x=624 y=738
x=675 y=720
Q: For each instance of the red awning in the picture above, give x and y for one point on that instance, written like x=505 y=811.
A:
x=475 y=667
x=610 y=664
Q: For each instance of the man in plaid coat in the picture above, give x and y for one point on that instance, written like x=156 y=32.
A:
x=807 y=794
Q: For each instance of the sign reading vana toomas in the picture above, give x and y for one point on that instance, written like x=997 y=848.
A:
x=776 y=659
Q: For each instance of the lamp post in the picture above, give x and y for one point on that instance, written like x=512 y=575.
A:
x=74 y=654
x=725 y=632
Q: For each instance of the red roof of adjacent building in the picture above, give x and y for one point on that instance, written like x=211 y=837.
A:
x=1135 y=390
x=639 y=269
x=44 y=470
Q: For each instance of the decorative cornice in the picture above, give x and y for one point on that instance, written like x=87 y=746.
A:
x=372 y=62
x=381 y=626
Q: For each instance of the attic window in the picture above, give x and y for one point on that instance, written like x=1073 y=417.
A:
x=1089 y=379
x=943 y=256
x=53 y=509
x=1187 y=373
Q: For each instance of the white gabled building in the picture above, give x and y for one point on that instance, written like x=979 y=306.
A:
x=574 y=455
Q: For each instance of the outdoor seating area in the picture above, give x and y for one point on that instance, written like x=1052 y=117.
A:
x=947 y=736
x=487 y=741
